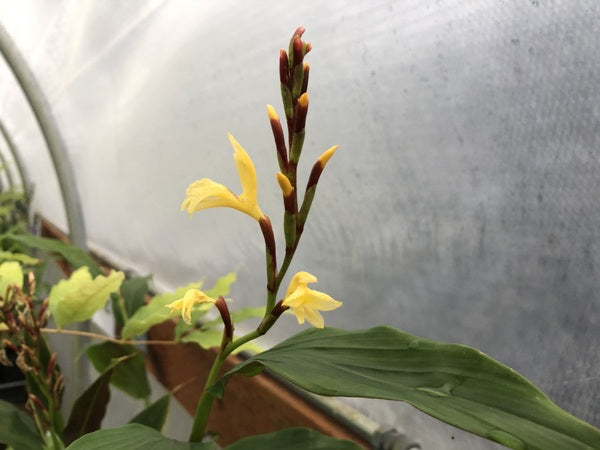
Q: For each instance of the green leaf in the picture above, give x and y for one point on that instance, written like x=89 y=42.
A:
x=154 y=312
x=212 y=337
x=75 y=256
x=134 y=437
x=247 y=313
x=222 y=286
x=204 y=338
x=89 y=409
x=134 y=291
x=453 y=383
x=293 y=439
x=129 y=375
x=10 y=273
x=18 y=430
x=79 y=297
x=155 y=415
x=20 y=257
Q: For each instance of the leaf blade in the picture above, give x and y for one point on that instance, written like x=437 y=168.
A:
x=293 y=439
x=75 y=256
x=89 y=409
x=18 y=429
x=133 y=436
x=130 y=374
x=81 y=296
x=451 y=382
x=155 y=415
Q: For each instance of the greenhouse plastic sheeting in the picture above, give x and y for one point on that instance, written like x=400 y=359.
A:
x=463 y=204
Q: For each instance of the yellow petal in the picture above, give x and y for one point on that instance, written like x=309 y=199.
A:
x=314 y=318
x=284 y=184
x=245 y=169
x=272 y=114
x=306 y=303
x=327 y=154
x=187 y=302
x=300 y=278
x=205 y=194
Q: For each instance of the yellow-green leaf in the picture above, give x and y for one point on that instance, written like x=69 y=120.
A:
x=79 y=297
x=20 y=257
x=10 y=273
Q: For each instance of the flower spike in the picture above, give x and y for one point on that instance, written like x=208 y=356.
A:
x=306 y=302
x=206 y=193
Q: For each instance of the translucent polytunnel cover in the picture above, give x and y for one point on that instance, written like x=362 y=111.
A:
x=462 y=205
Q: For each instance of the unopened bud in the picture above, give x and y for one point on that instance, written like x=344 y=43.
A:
x=305 y=78
x=301 y=111
x=279 y=138
x=298 y=53
x=50 y=367
x=319 y=165
x=22 y=364
x=284 y=184
x=284 y=70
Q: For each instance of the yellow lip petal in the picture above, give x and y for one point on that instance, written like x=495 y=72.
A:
x=206 y=193
x=306 y=303
x=300 y=278
x=314 y=318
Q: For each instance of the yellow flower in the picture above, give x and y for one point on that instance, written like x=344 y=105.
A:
x=305 y=302
x=206 y=193
x=186 y=303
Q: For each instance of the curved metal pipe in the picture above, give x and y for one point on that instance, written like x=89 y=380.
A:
x=66 y=180
x=50 y=131
x=27 y=186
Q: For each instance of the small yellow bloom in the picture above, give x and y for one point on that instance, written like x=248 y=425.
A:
x=305 y=302
x=185 y=304
x=206 y=193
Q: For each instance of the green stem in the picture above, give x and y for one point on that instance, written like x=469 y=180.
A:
x=205 y=403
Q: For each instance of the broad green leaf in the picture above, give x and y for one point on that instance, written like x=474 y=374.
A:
x=89 y=409
x=18 y=430
x=134 y=291
x=212 y=338
x=10 y=273
x=451 y=382
x=134 y=437
x=154 y=312
x=155 y=415
x=20 y=257
x=129 y=375
x=293 y=439
x=133 y=296
x=247 y=313
x=222 y=286
x=79 y=297
x=75 y=256
x=204 y=338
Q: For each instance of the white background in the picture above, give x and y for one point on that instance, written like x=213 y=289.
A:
x=462 y=204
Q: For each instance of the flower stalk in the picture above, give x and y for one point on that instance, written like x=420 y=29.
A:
x=304 y=302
